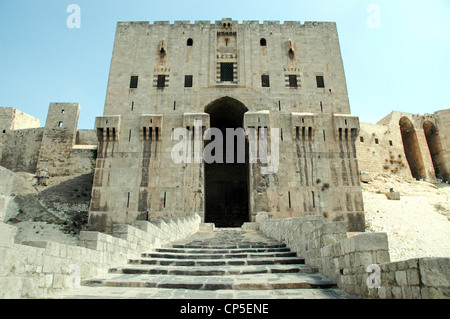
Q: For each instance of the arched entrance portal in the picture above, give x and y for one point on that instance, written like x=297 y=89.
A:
x=435 y=147
x=411 y=147
x=227 y=184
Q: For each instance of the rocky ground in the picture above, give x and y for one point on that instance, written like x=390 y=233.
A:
x=418 y=225
x=56 y=212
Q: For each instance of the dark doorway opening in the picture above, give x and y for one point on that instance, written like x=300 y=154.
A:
x=227 y=184
x=412 y=150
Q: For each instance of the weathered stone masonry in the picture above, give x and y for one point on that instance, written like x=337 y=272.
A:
x=165 y=76
x=58 y=147
x=408 y=145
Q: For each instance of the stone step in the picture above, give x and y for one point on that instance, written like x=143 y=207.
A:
x=221 y=251
x=100 y=292
x=217 y=262
x=231 y=282
x=222 y=264
x=229 y=246
x=214 y=270
x=222 y=261
x=217 y=256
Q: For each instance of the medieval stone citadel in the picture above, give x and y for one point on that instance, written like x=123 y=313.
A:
x=283 y=83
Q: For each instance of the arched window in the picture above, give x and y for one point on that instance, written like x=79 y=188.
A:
x=190 y=42
x=291 y=53
x=162 y=53
x=263 y=42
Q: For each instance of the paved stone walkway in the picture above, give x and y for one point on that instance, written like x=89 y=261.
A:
x=228 y=263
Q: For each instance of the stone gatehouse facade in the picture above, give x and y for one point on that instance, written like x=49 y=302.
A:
x=255 y=76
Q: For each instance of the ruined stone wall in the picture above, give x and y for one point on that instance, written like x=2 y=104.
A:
x=58 y=147
x=58 y=138
x=135 y=176
x=417 y=152
x=380 y=149
x=19 y=149
x=13 y=119
x=443 y=124
x=6 y=116
x=20 y=138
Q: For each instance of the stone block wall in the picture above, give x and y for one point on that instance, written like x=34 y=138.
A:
x=59 y=138
x=19 y=149
x=58 y=147
x=381 y=150
x=360 y=264
x=82 y=160
x=13 y=119
x=86 y=137
x=35 y=268
x=6 y=184
x=443 y=123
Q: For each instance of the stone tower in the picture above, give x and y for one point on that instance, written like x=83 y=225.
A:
x=58 y=138
x=283 y=84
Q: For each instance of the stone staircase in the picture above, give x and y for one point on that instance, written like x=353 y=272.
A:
x=224 y=263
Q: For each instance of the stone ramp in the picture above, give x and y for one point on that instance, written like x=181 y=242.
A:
x=224 y=263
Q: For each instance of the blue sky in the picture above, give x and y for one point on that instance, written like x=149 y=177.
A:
x=401 y=65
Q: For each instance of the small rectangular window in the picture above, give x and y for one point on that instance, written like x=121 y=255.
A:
x=390 y=143
x=361 y=139
x=320 y=81
x=265 y=82
x=293 y=81
x=161 y=81
x=134 y=82
x=188 y=81
x=226 y=71
x=60 y=124
x=376 y=141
